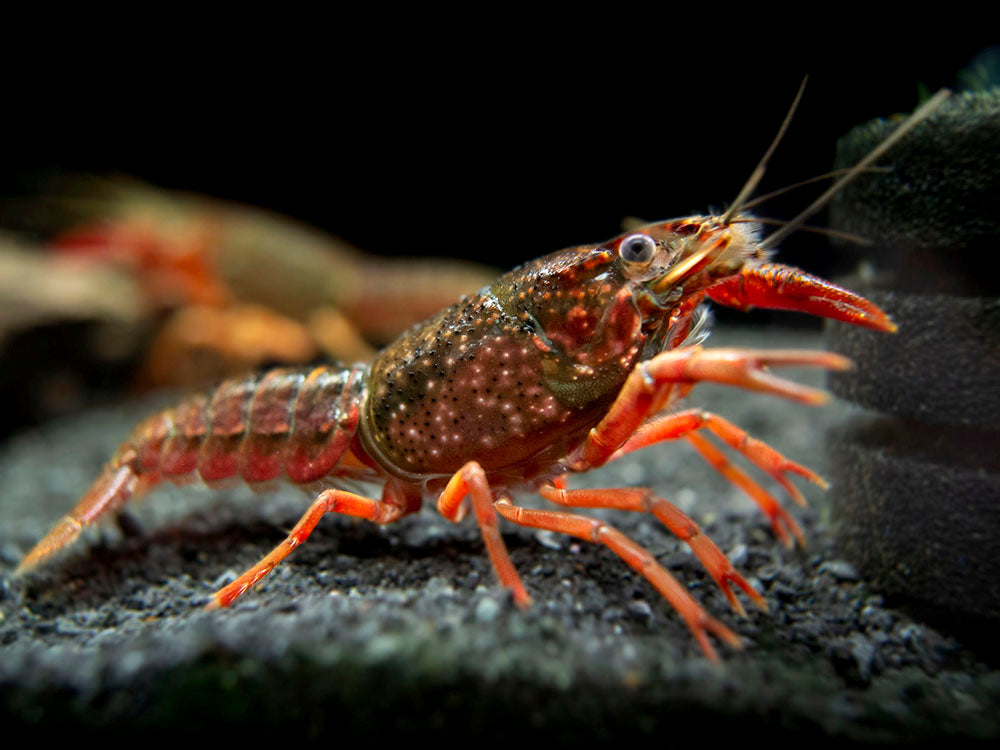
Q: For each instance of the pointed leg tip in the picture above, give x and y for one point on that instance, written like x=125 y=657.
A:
x=747 y=589
x=728 y=637
x=706 y=647
x=840 y=362
x=227 y=595
x=795 y=494
x=35 y=557
x=754 y=596
x=734 y=603
x=706 y=625
x=711 y=655
x=781 y=534
x=817 y=398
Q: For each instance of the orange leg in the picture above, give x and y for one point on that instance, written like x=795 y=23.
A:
x=636 y=556
x=682 y=526
x=672 y=426
x=781 y=522
x=684 y=424
x=651 y=383
x=395 y=503
x=471 y=480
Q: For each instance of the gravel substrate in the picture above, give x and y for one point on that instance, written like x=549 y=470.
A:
x=370 y=633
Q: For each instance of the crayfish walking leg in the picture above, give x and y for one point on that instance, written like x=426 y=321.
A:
x=687 y=424
x=650 y=387
x=637 y=556
x=682 y=526
x=396 y=502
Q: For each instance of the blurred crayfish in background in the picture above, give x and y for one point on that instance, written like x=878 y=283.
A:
x=185 y=289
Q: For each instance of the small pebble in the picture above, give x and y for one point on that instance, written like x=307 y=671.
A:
x=640 y=609
x=841 y=570
x=487 y=609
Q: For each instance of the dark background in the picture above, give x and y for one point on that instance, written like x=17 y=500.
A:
x=498 y=151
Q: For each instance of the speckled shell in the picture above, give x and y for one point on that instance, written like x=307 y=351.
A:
x=512 y=376
x=296 y=423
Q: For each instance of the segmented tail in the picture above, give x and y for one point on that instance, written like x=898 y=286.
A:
x=296 y=424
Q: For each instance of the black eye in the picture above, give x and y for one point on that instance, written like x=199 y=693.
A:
x=637 y=248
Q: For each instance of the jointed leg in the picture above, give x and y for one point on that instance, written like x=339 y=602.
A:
x=643 y=392
x=471 y=480
x=685 y=529
x=781 y=522
x=652 y=386
x=392 y=507
x=636 y=556
x=672 y=426
x=685 y=423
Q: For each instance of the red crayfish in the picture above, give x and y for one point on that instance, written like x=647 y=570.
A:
x=559 y=366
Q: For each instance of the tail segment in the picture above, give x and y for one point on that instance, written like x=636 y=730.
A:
x=120 y=481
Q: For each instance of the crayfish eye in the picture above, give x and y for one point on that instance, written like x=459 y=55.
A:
x=637 y=248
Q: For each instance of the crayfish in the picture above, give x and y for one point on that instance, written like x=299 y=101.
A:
x=557 y=367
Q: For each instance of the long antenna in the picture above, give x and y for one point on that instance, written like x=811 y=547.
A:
x=758 y=173
x=795 y=186
x=907 y=125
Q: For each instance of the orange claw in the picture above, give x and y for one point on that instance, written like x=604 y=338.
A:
x=779 y=287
